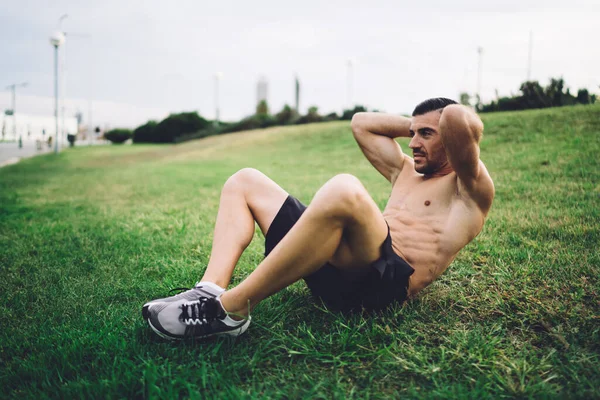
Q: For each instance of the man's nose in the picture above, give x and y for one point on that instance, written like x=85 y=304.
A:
x=414 y=143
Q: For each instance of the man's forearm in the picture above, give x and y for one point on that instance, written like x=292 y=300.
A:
x=389 y=125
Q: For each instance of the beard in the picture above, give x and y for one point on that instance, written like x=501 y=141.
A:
x=425 y=169
x=426 y=166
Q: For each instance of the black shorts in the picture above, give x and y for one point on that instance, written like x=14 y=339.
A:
x=385 y=283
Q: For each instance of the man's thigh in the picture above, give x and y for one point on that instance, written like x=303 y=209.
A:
x=362 y=238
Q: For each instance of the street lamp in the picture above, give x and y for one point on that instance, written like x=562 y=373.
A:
x=479 y=73
x=350 y=81
x=62 y=68
x=218 y=77
x=57 y=39
x=13 y=110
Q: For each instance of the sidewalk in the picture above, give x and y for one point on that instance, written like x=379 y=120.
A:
x=10 y=153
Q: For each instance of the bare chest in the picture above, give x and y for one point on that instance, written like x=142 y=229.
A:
x=428 y=199
x=429 y=221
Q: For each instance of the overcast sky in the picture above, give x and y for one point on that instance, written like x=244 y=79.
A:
x=144 y=59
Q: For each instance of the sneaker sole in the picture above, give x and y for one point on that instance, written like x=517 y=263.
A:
x=233 y=333
x=146 y=312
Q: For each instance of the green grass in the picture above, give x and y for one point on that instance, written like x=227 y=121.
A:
x=87 y=237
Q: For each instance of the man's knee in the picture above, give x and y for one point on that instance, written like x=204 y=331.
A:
x=242 y=179
x=346 y=193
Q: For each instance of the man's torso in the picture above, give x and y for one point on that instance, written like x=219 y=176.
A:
x=430 y=220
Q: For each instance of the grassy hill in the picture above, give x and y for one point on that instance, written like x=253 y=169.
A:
x=87 y=237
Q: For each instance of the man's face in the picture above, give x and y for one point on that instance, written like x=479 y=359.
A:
x=426 y=143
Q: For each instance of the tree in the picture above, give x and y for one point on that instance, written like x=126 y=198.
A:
x=118 y=136
x=311 y=116
x=262 y=108
x=465 y=99
x=534 y=95
x=286 y=116
x=179 y=124
x=348 y=114
x=145 y=133
x=583 y=96
x=554 y=92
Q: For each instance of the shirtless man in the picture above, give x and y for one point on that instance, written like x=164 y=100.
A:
x=350 y=254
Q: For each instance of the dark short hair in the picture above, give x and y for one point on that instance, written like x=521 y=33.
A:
x=432 y=104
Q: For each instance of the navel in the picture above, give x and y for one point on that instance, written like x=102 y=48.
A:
x=427 y=202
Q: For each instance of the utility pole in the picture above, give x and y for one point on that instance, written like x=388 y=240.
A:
x=530 y=56
x=62 y=78
x=297 y=95
x=218 y=77
x=90 y=125
x=349 y=82
x=13 y=110
x=479 y=72
x=56 y=40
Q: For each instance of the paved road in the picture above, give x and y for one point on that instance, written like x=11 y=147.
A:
x=10 y=153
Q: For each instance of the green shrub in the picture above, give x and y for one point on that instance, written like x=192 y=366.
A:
x=286 y=116
x=145 y=133
x=118 y=136
x=312 y=116
x=179 y=124
x=348 y=114
x=171 y=128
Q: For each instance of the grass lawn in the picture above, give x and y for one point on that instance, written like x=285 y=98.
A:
x=87 y=237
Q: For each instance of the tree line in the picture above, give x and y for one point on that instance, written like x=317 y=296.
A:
x=185 y=126
x=534 y=95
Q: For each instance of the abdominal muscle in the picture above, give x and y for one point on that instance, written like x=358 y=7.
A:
x=417 y=240
x=428 y=242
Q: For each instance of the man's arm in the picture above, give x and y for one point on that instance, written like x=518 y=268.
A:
x=461 y=131
x=375 y=133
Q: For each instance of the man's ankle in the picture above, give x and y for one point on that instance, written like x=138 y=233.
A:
x=210 y=284
x=232 y=311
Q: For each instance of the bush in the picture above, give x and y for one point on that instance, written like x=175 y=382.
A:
x=210 y=131
x=348 y=114
x=170 y=128
x=253 y=122
x=118 y=136
x=534 y=95
x=312 y=116
x=331 y=117
x=145 y=133
x=286 y=116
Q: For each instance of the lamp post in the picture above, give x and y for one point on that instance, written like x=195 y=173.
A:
x=13 y=88
x=62 y=68
x=57 y=39
x=529 y=58
x=218 y=77
x=479 y=73
x=350 y=81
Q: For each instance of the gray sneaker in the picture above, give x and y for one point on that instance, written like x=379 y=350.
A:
x=201 y=289
x=199 y=318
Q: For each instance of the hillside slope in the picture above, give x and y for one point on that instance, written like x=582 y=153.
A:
x=90 y=235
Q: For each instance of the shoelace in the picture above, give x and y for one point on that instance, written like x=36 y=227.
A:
x=179 y=290
x=198 y=313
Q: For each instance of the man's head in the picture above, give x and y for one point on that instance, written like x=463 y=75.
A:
x=426 y=142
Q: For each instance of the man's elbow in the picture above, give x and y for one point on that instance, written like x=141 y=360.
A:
x=357 y=124
x=462 y=118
